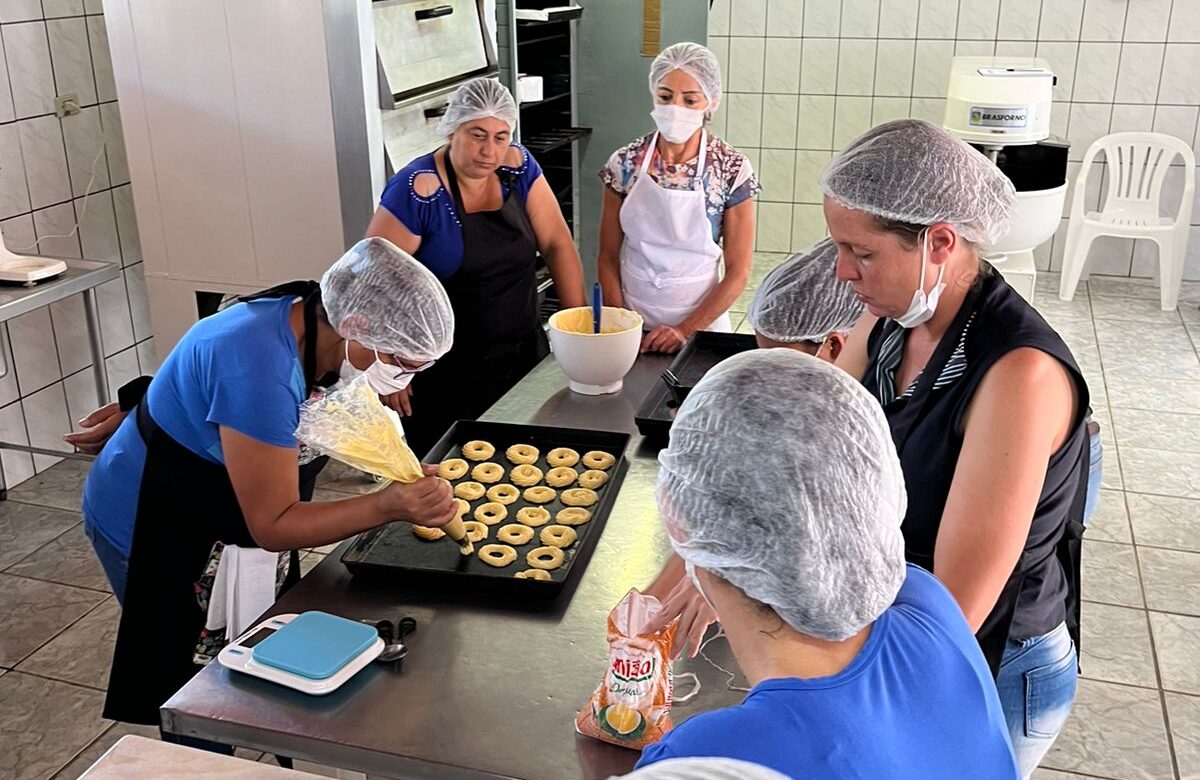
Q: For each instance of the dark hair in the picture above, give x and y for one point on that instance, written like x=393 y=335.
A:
x=908 y=232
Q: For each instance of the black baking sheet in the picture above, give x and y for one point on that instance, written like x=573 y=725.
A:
x=392 y=552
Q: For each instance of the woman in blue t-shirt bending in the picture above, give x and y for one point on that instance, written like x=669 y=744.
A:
x=478 y=212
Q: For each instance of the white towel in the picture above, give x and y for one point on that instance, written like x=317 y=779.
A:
x=243 y=589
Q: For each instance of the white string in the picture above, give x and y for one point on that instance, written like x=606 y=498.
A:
x=87 y=191
x=730 y=675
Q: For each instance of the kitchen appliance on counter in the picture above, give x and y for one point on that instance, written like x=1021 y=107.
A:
x=1002 y=106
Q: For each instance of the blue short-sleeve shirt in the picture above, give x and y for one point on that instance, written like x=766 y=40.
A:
x=435 y=219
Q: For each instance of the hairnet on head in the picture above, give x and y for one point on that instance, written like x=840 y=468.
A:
x=704 y=769
x=477 y=99
x=802 y=299
x=782 y=479
x=381 y=297
x=696 y=61
x=911 y=171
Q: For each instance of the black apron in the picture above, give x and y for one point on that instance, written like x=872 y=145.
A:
x=186 y=504
x=498 y=337
x=1043 y=589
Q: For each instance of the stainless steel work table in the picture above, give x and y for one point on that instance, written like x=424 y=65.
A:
x=486 y=691
x=81 y=276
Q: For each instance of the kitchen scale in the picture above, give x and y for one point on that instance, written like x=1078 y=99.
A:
x=27 y=269
x=314 y=652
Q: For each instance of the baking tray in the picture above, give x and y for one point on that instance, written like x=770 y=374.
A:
x=702 y=351
x=393 y=553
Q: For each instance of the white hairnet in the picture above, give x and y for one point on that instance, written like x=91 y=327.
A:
x=782 y=479
x=696 y=61
x=911 y=171
x=381 y=297
x=477 y=99
x=801 y=299
x=704 y=769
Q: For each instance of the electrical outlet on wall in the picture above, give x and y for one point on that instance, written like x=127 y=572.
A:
x=66 y=105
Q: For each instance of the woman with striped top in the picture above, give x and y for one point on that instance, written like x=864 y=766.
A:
x=986 y=404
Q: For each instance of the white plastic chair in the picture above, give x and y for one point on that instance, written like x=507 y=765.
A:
x=1137 y=165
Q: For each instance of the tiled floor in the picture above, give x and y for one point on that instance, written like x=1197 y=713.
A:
x=1138 y=710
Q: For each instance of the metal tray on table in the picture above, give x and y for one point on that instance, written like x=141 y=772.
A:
x=701 y=352
x=393 y=553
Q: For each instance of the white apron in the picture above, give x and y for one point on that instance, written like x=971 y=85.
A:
x=670 y=261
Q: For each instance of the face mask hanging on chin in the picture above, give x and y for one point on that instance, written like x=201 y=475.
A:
x=676 y=123
x=923 y=305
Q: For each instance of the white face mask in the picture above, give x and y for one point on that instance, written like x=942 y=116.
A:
x=676 y=123
x=383 y=378
x=923 y=305
x=691 y=573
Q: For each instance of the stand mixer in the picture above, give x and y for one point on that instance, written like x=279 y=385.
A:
x=1001 y=106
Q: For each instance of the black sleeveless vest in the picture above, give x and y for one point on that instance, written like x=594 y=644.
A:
x=928 y=427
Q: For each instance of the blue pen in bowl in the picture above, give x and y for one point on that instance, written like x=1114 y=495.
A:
x=596 y=307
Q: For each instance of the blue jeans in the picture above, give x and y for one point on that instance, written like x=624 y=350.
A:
x=112 y=560
x=1095 y=474
x=1037 y=686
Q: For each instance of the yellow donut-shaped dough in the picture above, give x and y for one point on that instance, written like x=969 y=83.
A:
x=487 y=473
x=573 y=516
x=558 y=535
x=539 y=495
x=471 y=491
x=547 y=558
x=490 y=513
x=515 y=534
x=462 y=506
x=579 y=497
x=561 y=476
x=453 y=468
x=478 y=450
x=533 y=574
x=525 y=475
x=476 y=531
x=593 y=479
x=427 y=534
x=523 y=454
x=533 y=516
x=563 y=456
x=503 y=494
x=498 y=555
x=599 y=460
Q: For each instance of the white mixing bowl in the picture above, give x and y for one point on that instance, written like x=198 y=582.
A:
x=595 y=363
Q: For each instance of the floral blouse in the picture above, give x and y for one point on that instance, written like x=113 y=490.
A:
x=729 y=178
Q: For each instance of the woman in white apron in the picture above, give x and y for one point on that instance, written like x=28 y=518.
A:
x=675 y=202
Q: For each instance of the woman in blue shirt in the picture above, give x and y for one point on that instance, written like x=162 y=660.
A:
x=478 y=212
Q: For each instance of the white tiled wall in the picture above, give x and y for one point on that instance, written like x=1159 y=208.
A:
x=47 y=165
x=805 y=77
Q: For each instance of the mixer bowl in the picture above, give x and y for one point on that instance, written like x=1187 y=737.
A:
x=595 y=363
x=1037 y=216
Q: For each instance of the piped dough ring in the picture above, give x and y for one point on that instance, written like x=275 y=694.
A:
x=548 y=558
x=579 y=497
x=563 y=456
x=539 y=495
x=498 y=555
x=558 y=536
x=533 y=516
x=427 y=534
x=533 y=574
x=593 y=479
x=561 y=476
x=490 y=513
x=503 y=494
x=478 y=450
x=523 y=454
x=515 y=534
x=476 y=531
x=525 y=475
x=573 y=516
x=599 y=460
x=454 y=468
x=462 y=506
x=471 y=491
x=487 y=473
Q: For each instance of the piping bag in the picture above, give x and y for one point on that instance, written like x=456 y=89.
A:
x=351 y=425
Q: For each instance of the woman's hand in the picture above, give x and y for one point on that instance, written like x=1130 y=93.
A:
x=98 y=427
x=399 y=402
x=664 y=339
x=695 y=616
x=427 y=501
